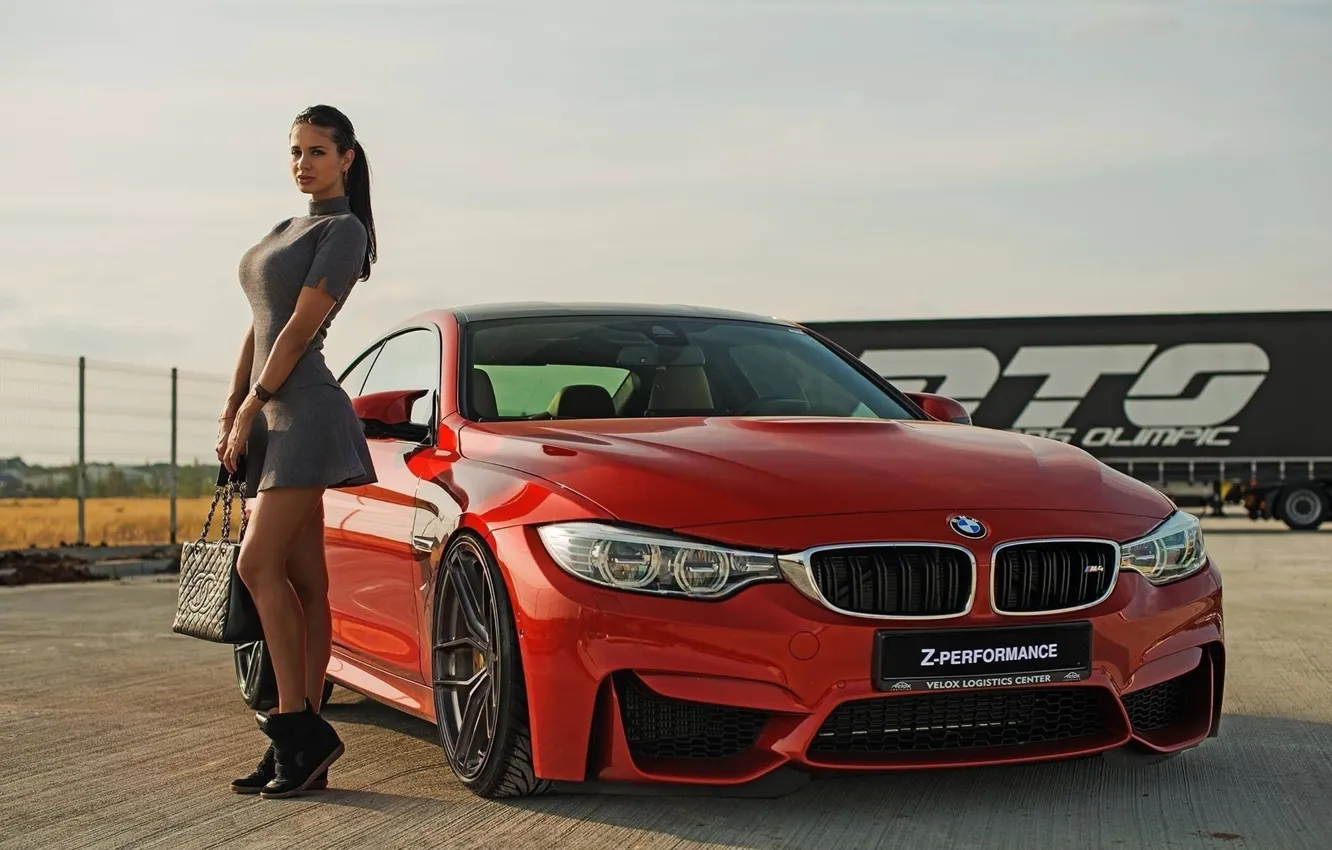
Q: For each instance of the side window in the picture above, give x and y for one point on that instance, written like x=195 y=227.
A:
x=408 y=361
x=355 y=379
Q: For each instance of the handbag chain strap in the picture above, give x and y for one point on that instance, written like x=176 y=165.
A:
x=226 y=492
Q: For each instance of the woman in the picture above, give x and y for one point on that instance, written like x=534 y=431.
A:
x=294 y=427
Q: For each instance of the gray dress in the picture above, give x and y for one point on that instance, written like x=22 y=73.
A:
x=307 y=435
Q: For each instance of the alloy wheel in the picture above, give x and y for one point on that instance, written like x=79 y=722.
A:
x=254 y=676
x=256 y=679
x=467 y=659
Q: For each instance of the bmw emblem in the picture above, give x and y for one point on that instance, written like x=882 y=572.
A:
x=972 y=529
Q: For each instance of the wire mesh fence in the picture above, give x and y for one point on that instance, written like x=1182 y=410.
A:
x=94 y=452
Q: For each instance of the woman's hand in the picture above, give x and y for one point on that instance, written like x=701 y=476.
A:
x=236 y=440
x=224 y=424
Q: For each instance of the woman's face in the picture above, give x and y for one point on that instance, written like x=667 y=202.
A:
x=315 y=164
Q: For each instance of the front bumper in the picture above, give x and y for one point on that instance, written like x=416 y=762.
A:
x=634 y=688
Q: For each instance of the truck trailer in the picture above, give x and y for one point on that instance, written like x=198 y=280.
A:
x=1213 y=409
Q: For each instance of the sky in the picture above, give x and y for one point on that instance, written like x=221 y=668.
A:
x=815 y=160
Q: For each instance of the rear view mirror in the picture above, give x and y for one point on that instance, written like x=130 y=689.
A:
x=941 y=407
x=389 y=414
x=632 y=356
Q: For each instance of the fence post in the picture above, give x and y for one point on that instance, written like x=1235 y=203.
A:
x=83 y=473
x=175 y=474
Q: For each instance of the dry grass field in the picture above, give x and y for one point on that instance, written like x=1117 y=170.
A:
x=115 y=522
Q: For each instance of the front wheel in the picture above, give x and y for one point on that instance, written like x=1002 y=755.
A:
x=477 y=675
x=254 y=677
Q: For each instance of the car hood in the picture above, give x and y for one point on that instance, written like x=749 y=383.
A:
x=674 y=473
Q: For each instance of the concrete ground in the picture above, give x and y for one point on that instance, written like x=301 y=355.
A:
x=114 y=733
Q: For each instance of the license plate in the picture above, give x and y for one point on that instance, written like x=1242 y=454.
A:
x=949 y=659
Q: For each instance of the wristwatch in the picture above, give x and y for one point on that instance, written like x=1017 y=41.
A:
x=262 y=394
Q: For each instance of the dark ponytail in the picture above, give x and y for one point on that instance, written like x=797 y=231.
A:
x=358 y=176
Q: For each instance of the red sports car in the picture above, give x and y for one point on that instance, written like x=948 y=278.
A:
x=617 y=543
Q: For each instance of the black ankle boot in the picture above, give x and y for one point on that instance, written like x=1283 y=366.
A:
x=304 y=746
x=267 y=767
x=259 y=777
x=264 y=773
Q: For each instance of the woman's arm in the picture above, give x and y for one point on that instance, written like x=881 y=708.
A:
x=240 y=385
x=240 y=378
x=312 y=308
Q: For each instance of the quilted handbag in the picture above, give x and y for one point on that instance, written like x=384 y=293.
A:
x=212 y=603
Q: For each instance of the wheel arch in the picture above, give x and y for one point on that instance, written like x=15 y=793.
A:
x=470 y=496
x=518 y=777
x=490 y=503
x=469 y=525
x=472 y=526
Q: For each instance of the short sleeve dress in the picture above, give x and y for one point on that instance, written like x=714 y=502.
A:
x=307 y=435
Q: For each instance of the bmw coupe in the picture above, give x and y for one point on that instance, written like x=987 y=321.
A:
x=632 y=544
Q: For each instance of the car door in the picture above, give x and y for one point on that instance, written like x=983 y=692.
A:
x=368 y=530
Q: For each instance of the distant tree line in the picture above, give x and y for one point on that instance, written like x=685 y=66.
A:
x=143 y=481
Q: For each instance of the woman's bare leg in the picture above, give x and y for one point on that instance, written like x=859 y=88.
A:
x=277 y=516
x=307 y=569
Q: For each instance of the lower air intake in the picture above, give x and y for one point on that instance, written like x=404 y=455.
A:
x=962 y=721
x=1159 y=706
x=662 y=728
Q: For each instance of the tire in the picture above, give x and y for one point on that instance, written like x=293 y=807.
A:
x=1303 y=507
x=255 y=678
x=477 y=676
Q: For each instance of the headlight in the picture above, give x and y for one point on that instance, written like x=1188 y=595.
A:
x=652 y=562
x=1172 y=551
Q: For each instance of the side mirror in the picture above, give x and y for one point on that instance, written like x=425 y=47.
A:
x=389 y=414
x=941 y=407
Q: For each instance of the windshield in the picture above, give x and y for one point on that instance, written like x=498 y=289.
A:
x=597 y=367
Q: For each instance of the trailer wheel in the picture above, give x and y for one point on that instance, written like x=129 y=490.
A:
x=1304 y=506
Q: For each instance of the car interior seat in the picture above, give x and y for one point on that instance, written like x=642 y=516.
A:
x=482 y=394
x=680 y=388
x=627 y=391
x=582 y=401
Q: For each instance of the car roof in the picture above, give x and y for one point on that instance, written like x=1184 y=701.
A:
x=541 y=309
